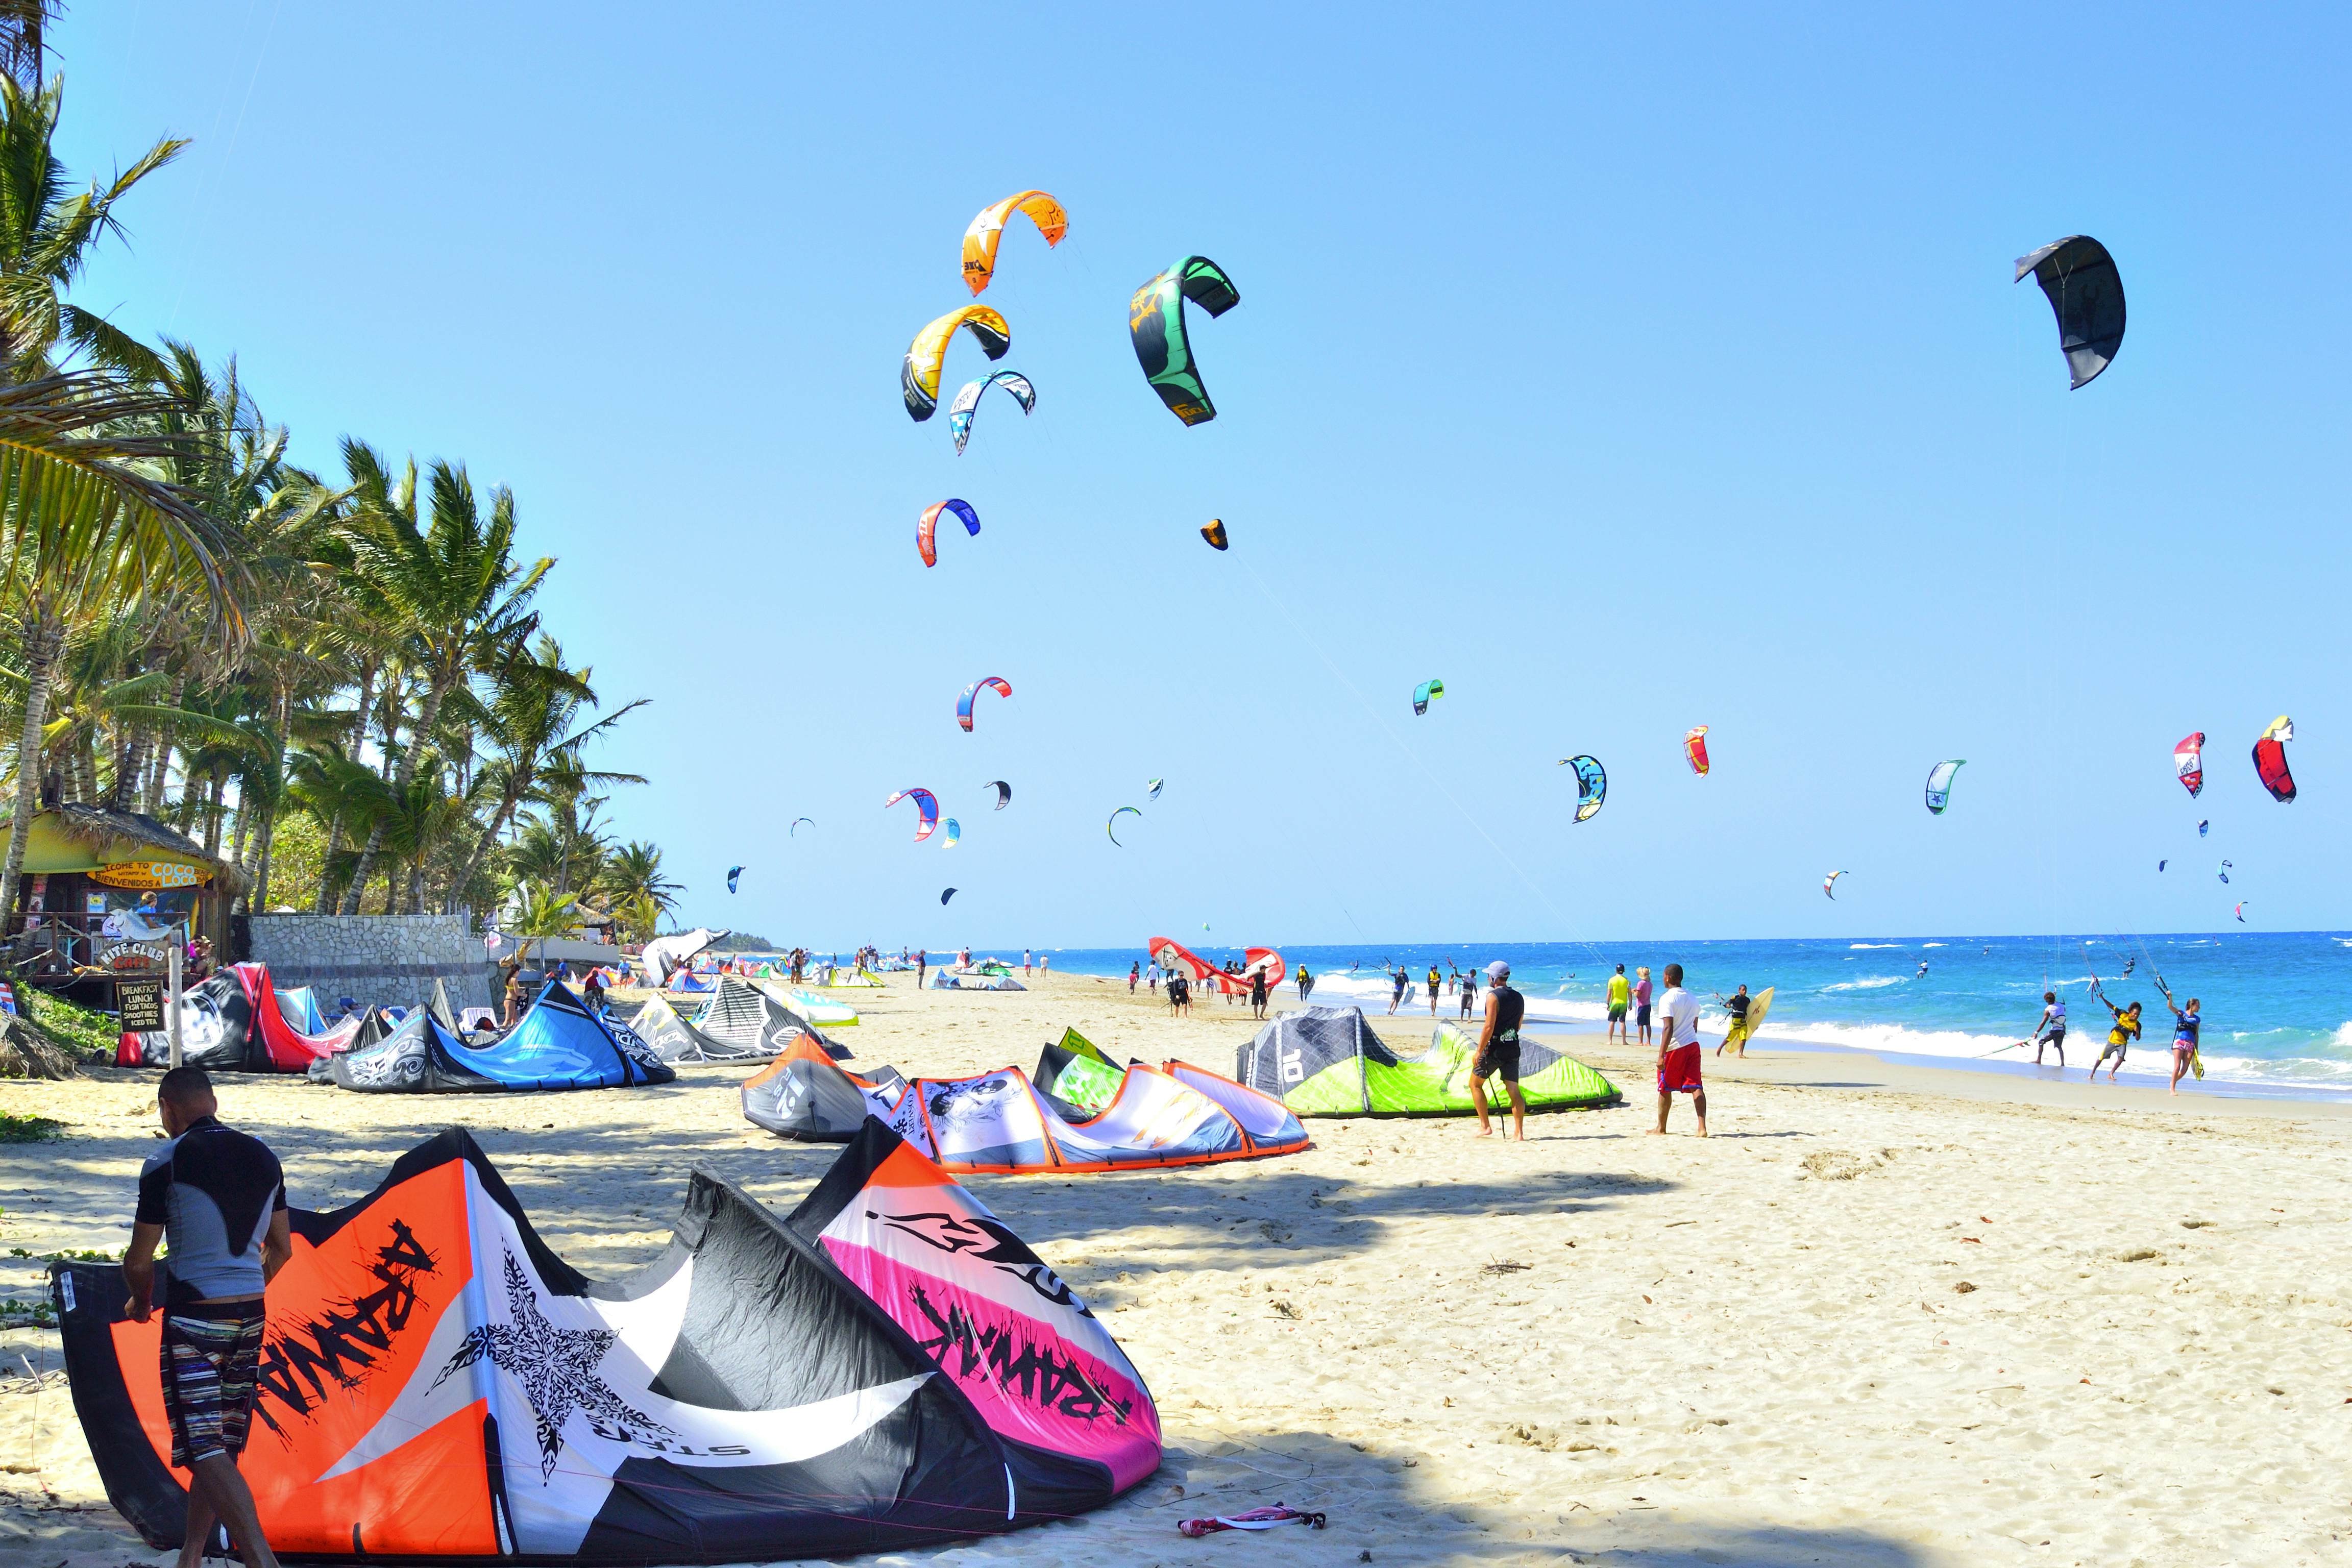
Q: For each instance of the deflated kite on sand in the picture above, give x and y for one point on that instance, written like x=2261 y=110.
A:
x=1326 y=1061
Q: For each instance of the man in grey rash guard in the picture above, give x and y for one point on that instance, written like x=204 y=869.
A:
x=219 y=1197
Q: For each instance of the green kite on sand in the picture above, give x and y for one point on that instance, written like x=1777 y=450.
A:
x=1326 y=1061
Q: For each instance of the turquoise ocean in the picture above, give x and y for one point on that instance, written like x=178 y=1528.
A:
x=2277 y=1006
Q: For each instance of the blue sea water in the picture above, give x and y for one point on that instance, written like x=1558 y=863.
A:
x=2277 y=1006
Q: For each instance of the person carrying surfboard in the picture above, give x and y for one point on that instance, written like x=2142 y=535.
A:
x=1737 y=1005
x=2187 y=1023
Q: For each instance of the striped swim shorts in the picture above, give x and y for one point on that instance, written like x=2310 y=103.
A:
x=210 y=1354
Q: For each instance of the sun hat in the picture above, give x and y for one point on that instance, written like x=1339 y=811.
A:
x=1499 y=970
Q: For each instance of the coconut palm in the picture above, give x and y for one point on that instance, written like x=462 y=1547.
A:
x=634 y=873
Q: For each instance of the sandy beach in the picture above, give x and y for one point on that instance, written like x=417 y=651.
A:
x=1887 y=1315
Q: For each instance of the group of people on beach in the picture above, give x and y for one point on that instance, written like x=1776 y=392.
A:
x=2188 y=1030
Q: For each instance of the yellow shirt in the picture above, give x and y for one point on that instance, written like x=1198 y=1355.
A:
x=1620 y=991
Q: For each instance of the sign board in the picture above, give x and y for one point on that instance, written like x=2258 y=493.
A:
x=141 y=1005
x=132 y=957
x=141 y=874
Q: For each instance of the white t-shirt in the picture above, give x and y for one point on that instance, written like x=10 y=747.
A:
x=1678 y=1019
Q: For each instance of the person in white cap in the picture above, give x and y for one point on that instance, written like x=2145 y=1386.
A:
x=1499 y=1050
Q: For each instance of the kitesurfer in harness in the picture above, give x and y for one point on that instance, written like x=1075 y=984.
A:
x=1499 y=1050
x=2119 y=1039
x=2052 y=1031
x=2186 y=1023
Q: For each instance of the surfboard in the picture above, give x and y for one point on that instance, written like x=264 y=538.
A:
x=1758 y=1007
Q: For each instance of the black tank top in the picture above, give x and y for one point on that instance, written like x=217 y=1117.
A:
x=1509 y=1008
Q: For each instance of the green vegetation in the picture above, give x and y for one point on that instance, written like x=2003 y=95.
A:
x=84 y=1031
x=17 y=1129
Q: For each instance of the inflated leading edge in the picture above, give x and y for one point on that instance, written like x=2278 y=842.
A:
x=889 y=1368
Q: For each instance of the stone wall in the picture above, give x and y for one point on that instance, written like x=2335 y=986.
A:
x=375 y=959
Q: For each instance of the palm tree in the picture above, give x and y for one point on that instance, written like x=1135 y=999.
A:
x=640 y=918
x=634 y=873
x=452 y=588
x=22 y=24
x=541 y=912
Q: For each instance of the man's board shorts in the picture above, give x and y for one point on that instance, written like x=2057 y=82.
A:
x=209 y=1356
x=1679 y=1073
x=1616 y=1012
x=1500 y=1060
x=2055 y=1037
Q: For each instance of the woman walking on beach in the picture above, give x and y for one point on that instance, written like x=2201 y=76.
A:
x=2119 y=1039
x=2185 y=1025
x=1642 y=1001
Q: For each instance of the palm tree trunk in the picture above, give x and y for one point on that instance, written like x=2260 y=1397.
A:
x=85 y=774
x=212 y=811
x=153 y=804
x=481 y=851
x=403 y=773
x=284 y=714
x=41 y=640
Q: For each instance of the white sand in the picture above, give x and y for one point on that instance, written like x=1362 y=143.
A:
x=1598 y=1346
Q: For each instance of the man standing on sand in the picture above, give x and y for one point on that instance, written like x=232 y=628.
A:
x=1025 y=960
x=923 y=964
x=1499 y=1050
x=219 y=1199
x=1620 y=998
x=1432 y=990
x=1679 y=1052
x=1257 y=992
x=1642 y=1001
x=1469 y=991
x=1396 y=989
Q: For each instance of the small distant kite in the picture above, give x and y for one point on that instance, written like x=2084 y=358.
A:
x=1213 y=530
x=2202 y=824
x=1940 y=783
x=946 y=896
x=2086 y=294
x=995 y=683
x=981 y=240
x=1113 y=823
x=955 y=832
x=1694 y=749
x=732 y=873
x=1004 y=793
x=2225 y=868
x=1151 y=789
x=919 y=378
x=795 y=830
x=926 y=531
x=2270 y=760
x=926 y=809
x=1427 y=692
x=2160 y=865
x=1591 y=784
x=967 y=402
x=2189 y=763
x=2241 y=912
x=1829 y=884
x=1155 y=321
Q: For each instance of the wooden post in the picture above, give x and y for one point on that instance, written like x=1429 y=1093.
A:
x=172 y=972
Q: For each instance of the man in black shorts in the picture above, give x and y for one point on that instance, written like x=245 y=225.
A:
x=220 y=1199
x=1499 y=1050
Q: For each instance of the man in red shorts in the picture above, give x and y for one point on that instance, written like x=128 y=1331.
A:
x=220 y=1197
x=1679 y=1052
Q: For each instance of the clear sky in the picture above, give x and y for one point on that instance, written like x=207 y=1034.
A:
x=1628 y=368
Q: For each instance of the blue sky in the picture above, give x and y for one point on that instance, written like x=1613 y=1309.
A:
x=1628 y=368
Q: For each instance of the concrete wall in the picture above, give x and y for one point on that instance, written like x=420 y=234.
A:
x=388 y=959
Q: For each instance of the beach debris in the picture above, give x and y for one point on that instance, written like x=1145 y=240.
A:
x=1591 y=784
x=1695 y=749
x=2086 y=294
x=919 y=378
x=1829 y=884
x=1425 y=693
x=1963 y=1288
x=980 y=240
x=1113 y=823
x=1004 y=793
x=926 y=529
x=967 y=402
x=1255 y=1519
x=926 y=809
x=995 y=683
x=1940 y=783
x=1155 y=322
x=2270 y=760
x=1213 y=530
x=734 y=874
x=2189 y=763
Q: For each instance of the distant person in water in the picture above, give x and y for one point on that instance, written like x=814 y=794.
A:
x=1433 y=991
x=1680 y=1054
x=1469 y=991
x=1305 y=982
x=2119 y=1039
x=1642 y=1001
x=1397 y=983
x=1499 y=1050
x=2187 y=1023
x=1621 y=1002
x=2051 y=1033
x=1923 y=970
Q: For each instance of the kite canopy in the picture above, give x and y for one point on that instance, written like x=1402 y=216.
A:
x=1940 y=783
x=1829 y=884
x=2224 y=869
x=1076 y=1072
x=1591 y=784
x=438 y=1384
x=2270 y=760
x=1175 y=1115
x=665 y=953
x=967 y=402
x=1169 y=954
x=1694 y=749
x=794 y=831
x=673 y=1039
x=2086 y=294
x=1326 y=1061
x=805 y=1097
x=1155 y=320
x=559 y=1044
x=1425 y=692
x=2241 y=912
x=981 y=240
x=946 y=896
x=927 y=527
x=1152 y=787
x=926 y=809
x=733 y=872
x=1213 y=530
x=981 y=979
x=955 y=834
x=995 y=683
x=235 y=1022
x=743 y=1023
x=919 y=378
x=1004 y=793
x=2189 y=763
x=1112 y=825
